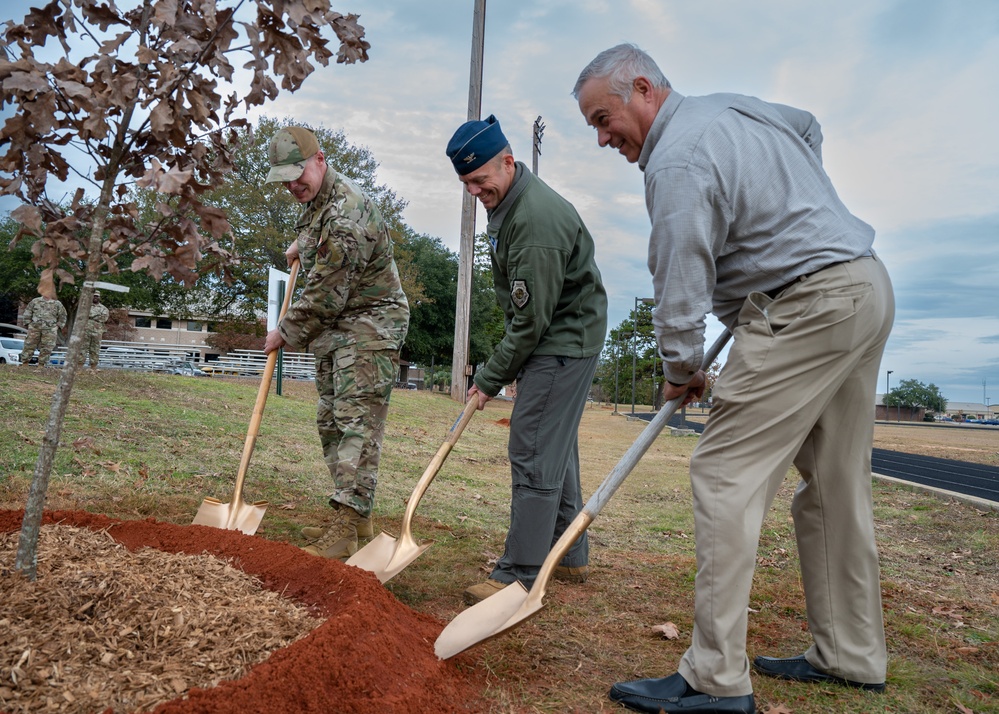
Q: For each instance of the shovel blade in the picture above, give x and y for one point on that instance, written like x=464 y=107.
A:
x=237 y=516
x=386 y=556
x=498 y=613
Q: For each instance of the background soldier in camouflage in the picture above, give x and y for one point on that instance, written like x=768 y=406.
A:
x=354 y=313
x=96 y=320
x=43 y=317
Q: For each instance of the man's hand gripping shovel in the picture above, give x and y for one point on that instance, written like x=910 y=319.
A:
x=386 y=556
x=238 y=514
x=514 y=604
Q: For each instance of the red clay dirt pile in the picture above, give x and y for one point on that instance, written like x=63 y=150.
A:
x=371 y=654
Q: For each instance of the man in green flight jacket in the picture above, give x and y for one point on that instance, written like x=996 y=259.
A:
x=549 y=288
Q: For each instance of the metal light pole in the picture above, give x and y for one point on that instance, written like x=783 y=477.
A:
x=655 y=377
x=887 y=391
x=617 y=363
x=634 y=355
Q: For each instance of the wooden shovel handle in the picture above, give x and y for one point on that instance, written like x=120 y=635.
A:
x=265 y=386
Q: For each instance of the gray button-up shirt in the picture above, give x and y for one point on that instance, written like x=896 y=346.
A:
x=739 y=202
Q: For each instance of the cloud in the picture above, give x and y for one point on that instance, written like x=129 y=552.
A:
x=944 y=269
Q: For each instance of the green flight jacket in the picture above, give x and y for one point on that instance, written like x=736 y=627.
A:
x=546 y=280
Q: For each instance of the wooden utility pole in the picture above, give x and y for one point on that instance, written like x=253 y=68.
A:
x=539 y=130
x=461 y=370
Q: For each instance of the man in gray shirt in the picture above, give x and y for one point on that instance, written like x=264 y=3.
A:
x=746 y=224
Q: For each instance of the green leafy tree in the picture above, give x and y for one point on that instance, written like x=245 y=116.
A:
x=614 y=368
x=486 y=321
x=431 y=322
x=630 y=350
x=914 y=394
x=18 y=275
x=431 y=326
x=132 y=98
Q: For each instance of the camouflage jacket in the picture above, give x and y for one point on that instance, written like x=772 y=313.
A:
x=352 y=292
x=98 y=316
x=42 y=312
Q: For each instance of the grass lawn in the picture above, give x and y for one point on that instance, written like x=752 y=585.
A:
x=141 y=445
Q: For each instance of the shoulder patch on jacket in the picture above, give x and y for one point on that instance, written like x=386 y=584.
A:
x=519 y=294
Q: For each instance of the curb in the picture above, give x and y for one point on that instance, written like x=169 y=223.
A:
x=980 y=503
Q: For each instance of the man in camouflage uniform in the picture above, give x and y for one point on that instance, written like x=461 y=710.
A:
x=96 y=320
x=355 y=315
x=43 y=317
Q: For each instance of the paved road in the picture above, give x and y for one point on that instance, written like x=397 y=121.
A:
x=957 y=476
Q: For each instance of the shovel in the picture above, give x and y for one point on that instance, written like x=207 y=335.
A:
x=385 y=556
x=514 y=604
x=238 y=514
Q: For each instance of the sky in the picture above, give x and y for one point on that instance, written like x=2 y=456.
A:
x=906 y=91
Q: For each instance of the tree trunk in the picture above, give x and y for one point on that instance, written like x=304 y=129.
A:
x=26 y=560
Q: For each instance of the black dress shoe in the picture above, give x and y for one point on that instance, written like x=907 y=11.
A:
x=673 y=694
x=799 y=670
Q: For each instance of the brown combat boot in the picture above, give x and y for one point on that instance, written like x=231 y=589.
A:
x=340 y=539
x=572 y=575
x=365 y=530
x=478 y=593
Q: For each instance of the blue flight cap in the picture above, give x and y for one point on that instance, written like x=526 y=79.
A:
x=475 y=143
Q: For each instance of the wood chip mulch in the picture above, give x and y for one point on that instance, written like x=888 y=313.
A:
x=371 y=653
x=103 y=626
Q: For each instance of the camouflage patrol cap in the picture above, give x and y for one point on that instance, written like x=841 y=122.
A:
x=288 y=152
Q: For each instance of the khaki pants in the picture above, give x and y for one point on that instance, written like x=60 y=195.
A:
x=798 y=386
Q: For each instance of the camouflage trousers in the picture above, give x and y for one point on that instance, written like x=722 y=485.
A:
x=91 y=347
x=42 y=338
x=354 y=386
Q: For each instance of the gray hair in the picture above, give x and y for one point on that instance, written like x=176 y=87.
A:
x=622 y=64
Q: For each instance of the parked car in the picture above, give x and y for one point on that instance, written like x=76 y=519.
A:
x=182 y=367
x=187 y=369
x=10 y=350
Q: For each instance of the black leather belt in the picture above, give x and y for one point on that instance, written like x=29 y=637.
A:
x=773 y=293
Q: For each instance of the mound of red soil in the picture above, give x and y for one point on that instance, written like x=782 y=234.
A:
x=503 y=422
x=372 y=654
